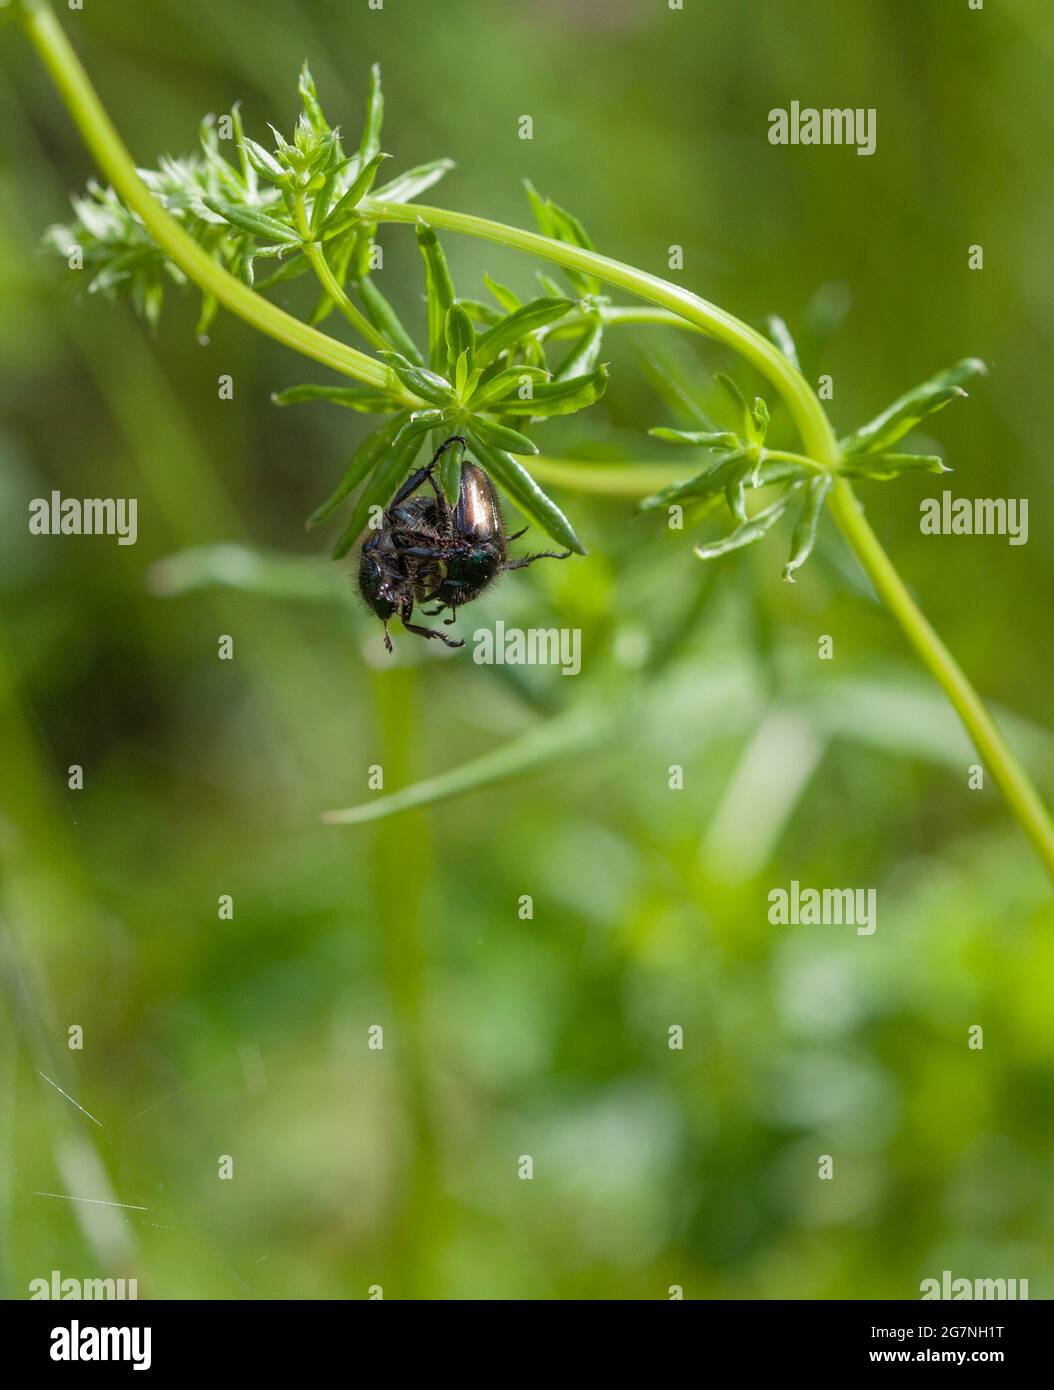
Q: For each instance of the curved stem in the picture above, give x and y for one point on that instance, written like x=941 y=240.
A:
x=116 y=163
x=807 y=412
x=821 y=447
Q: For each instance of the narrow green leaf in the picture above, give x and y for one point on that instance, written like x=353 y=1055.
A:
x=262 y=160
x=706 y=484
x=428 y=385
x=351 y=397
x=363 y=461
x=460 y=337
x=383 y=317
x=584 y=354
x=751 y=531
x=565 y=736
x=508 y=299
x=528 y=318
x=309 y=97
x=371 y=131
x=804 y=537
x=501 y=437
x=502 y=383
x=541 y=209
x=886 y=466
x=479 y=312
x=248 y=220
x=449 y=466
x=514 y=479
x=905 y=413
x=290 y=269
x=710 y=439
x=759 y=420
x=735 y=395
x=777 y=332
x=561 y=397
x=413 y=182
x=440 y=291
x=345 y=211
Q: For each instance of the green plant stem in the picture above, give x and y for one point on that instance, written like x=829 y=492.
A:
x=317 y=259
x=116 y=163
x=821 y=446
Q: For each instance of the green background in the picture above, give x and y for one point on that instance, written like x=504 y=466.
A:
x=546 y=1037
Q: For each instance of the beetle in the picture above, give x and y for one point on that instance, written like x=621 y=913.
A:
x=426 y=551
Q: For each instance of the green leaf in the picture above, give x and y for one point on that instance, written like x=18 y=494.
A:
x=886 y=466
x=460 y=337
x=248 y=220
x=500 y=437
x=561 y=397
x=392 y=469
x=479 y=312
x=413 y=182
x=371 y=131
x=383 y=317
x=915 y=405
x=751 y=531
x=351 y=397
x=428 y=385
x=567 y=735
x=804 y=537
x=556 y=222
x=759 y=420
x=508 y=299
x=363 y=461
x=735 y=395
x=514 y=479
x=449 y=466
x=502 y=383
x=713 y=480
x=440 y=291
x=710 y=439
x=263 y=161
x=777 y=332
x=345 y=211
x=290 y=269
x=584 y=354
x=309 y=97
x=528 y=318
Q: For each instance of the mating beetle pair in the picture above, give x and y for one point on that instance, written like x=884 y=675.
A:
x=425 y=551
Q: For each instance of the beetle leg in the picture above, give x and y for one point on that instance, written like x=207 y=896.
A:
x=517 y=534
x=426 y=552
x=387 y=639
x=542 y=555
x=412 y=483
x=431 y=632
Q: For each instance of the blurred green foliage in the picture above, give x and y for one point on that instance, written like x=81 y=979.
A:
x=503 y=1036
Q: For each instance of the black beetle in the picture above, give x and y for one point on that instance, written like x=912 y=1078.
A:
x=425 y=551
